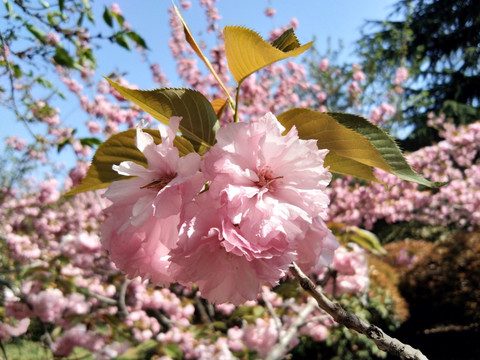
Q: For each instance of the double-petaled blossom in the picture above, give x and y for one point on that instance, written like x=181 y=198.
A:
x=263 y=208
x=143 y=220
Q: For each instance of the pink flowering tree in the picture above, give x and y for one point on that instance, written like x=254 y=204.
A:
x=232 y=208
x=205 y=215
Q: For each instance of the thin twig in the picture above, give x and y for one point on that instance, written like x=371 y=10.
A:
x=121 y=297
x=3 y=350
x=280 y=348
x=271 y=310
x=383 y=341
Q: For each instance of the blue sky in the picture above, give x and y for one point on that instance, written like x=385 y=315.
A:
x=321 y=19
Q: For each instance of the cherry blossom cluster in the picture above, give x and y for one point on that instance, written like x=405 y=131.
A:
x=62 y=277
x=264 y=208
x=453 y=160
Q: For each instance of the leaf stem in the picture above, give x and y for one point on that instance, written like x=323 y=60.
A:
x=237 y=97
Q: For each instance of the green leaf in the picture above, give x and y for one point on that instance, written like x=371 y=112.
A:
x=354 y=138
x=8 y=7
x=137 y=39
x=120 y=19
x=55 y=17
x=39 y=34
x=45 y=4
x=62 y=57
x=121 y=40
x=287 y=41
x=145 y=350
x=345 y=166
x=173 y=351
x=61 y=5
x=199 y=122
x=387 y=147
x=91 y=141
x=120 y=147
x=17 y=71
x=362 y=237
x=107 y=17
x=247 y=52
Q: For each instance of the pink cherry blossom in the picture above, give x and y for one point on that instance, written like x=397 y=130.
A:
x=261 y=336
x=143 y=219
x=323 y=64
x=205 y=256
x=52 y=38
x=116 y=8
x=317 y=248
x=48 y=305
x=263 y=208
x=270 y=181
x=352 y=271
x=8 y=330
x=270 y=12
x=76 y=336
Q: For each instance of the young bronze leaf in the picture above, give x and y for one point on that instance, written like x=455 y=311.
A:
x=247 y=52
x=120 y=147
x=199 y=121
x=354 y=138
x=219 y=106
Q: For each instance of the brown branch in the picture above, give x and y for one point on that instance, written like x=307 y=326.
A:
x=383 y=341
x=121 y=298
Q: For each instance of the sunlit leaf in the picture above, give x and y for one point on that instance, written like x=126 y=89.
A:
x=362 y=237
x=345 y=166
x=247 y=52
x=386 y=146
x=119 y=17
x=121 y=40
x=137 y=39
x=120 y=147
x=199 y=122
x=354 y=138
x=39 y=34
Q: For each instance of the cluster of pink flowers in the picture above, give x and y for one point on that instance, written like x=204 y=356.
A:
x=263 y=209
x=351 y=271
x=453 y=160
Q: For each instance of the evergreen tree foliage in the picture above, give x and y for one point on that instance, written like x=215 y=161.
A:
x=439 y=42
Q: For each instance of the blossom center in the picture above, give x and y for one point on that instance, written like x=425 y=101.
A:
x=266 y=180
x=160 y=183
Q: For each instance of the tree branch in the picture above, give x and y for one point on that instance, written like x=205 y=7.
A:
x=280 y=348
x=340 y=315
